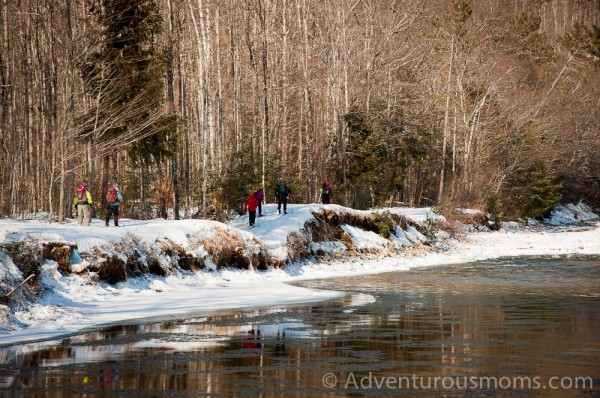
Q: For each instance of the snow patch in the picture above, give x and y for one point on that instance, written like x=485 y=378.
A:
x=571 y=214
x=9 y=273
x=159 y=286
x=399 y=236
x=336 y=249
x=415 y=236
x=364 y=240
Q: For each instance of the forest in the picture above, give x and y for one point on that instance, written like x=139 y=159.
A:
x=192 y=104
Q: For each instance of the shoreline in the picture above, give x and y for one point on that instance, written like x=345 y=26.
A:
x=75 y=304
x=228 y=290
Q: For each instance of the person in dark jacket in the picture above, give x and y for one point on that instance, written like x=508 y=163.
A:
x=250 y=206
x=326 y=193
x=260 y=197
x=281 y=195
x=113 y=198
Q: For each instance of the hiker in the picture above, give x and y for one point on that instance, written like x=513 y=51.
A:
x=113 y=197
x=326 y=193
x=260 y=197
x=83 y=201
x=281 y=195
x=250 y=206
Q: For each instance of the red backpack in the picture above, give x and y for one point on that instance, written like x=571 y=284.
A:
x=111 y=195
x=81 y=196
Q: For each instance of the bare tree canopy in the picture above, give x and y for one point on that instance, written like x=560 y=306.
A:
x=194 y=103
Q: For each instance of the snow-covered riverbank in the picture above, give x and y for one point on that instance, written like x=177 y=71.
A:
x=73 y=302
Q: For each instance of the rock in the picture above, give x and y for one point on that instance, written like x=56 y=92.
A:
x=347 y=239
x=59 y=252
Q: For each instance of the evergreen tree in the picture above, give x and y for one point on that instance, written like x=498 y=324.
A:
x=544 y=190
x=381 y=151
x=124 y=75
x=494 y=209
x=367 y=154
x=242 y=176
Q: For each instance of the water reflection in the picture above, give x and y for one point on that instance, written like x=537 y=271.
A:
x=507 y=318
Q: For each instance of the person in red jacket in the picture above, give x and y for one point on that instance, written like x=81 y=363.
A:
x=250 y=206
x=260 y=197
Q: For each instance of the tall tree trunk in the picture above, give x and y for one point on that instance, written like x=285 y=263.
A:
x=105 y=175
x=201 y=102
x=265 y=84
x=221 y=150
x=454 y=155
x=186 y=132
x=143 y=169
x=236 y=76
x=306 y=119
x=174 y=134
x=446 y=123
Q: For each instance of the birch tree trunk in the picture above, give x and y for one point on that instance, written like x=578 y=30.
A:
x=202 y=98
x=262 y=15
x=221 y=150
x=174 y=135
x=446 y=123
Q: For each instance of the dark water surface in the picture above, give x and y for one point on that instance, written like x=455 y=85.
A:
x=513 y=327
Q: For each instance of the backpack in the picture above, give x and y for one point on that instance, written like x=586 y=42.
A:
x=81 y=196
x=111 y=195
x=326 y=189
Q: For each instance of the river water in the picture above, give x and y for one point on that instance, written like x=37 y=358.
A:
x=511 y=327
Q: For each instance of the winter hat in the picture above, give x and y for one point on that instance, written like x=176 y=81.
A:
x=115 y=185
x=84 y=185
